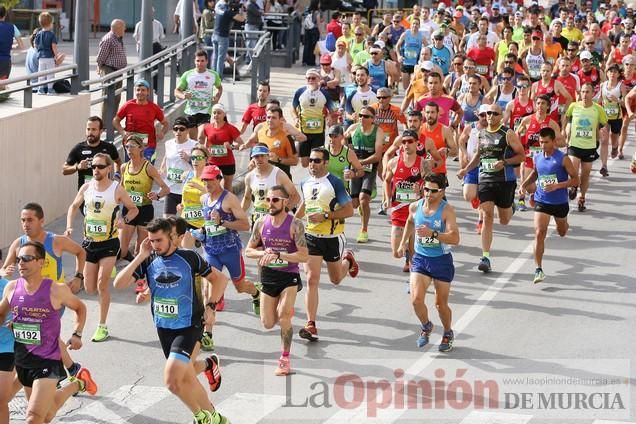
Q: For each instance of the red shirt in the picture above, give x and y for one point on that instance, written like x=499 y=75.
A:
x=571 y=85
x=549 y=91
x=519 y=111
x=406 y=181
x=483 y=58
x=254 y=114
x=141 y=119
x=335 y=28
x=216 y=137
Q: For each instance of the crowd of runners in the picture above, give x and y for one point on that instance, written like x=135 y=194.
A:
x=526 y=100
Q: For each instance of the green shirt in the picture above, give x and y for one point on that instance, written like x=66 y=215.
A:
x=202 y=86
x=585 y=122
x=361 y=58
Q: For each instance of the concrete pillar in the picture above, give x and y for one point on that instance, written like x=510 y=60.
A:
x=80 y=46
x=145 y=50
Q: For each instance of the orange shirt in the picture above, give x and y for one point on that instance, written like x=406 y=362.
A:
x=552 y=52
x=387 y=120
x=277 y=143
x=437 y=135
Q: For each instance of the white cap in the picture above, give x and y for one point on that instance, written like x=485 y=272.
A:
x=483 y=109
x=586 y=55
x=428 y=65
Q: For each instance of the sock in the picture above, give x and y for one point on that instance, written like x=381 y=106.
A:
x=425 y=325
x=256 y=295
x=285 y=354
x=539 y=269
x=486 y=254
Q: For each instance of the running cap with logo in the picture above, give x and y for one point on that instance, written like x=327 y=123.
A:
x=211 y=172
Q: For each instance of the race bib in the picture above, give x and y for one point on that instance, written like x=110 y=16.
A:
x=481 y=69
x=166 y=308
x=311 y=208
x=88 y=178
x=387 y=139
x=534 y=150
x=410 y=54
x=278 y=263
x=561 y=109
x=258 y=213
x=488 y=165
x=218 y=150
x=405 y=195
x=27 y=333
x=611 y=110
x=368 y=167
x=175 y=175
x=96 y=228
x=191 y=213
x=213 y=230
x=313 y=123
x=427 y=241
x=137 y=197
x=545 y=180
x=583 y=133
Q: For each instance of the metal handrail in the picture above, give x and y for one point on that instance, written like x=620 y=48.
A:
x=27 y=89
x=35 y=75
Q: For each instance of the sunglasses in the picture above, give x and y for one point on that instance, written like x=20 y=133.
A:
x=505 y=78
x=536 y=38
x=408 y=140
x=132 y=146
x=179 y=129
x=523 y=86
x=315 y=160
x=359 y=35
x=364 y=115
x=469 y=67
x=492 y=113
x=571 y=50
x=509 y=62
x=197 y=157
x=458 y=64
x=383 y=97
x=98 y=166
x=374 y=53
x=27 y=258
x=589 y=44
x=310 y=78
x=273 y=199
x=432 y=190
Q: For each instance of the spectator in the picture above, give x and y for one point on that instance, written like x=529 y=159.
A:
x=334 y=26
x=111 y=56
x=140 y=114
x=207 y=23
x=311 y=24
x=8 y=32
x=178 y=12
x=46 y=45
x=31 y=61
x=157 y=35
x=254 y=22
x=278 y=36
x=225 y=16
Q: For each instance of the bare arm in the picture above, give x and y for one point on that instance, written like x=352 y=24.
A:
x=241 y=222
x=247 y=194
x=72 y=209
x=294 y=196
x=65 y=244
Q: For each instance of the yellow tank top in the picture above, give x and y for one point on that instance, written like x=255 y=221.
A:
x=137 y=185
x=100 y=210
x=191 y=200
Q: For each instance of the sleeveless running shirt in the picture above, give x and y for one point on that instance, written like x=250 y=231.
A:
x=429 y=246
x=377 y=74
x=338 y=163
x=471 y=111
x=534 y=63
x=100 y=210
x=218 y=238
x=406 y=188
x=259 y=186
x=279 y=240
x=550 y=170
x=412 y=48
x=364 y=145
x=53 y=268
x=191 y=201
x=137 y=185
x=36 y=326
x=492 y=148
x=613 y=109
x=437 y=135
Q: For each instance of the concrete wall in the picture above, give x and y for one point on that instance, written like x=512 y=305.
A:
x=34 y=144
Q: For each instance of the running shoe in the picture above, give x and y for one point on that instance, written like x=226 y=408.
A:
x=203 y=417
x=309 y=332
x=603 y=171
x=207 y=342
x=256 y=303
x=382 y=211
x=539 y=276
x=479 y=226
x=572 y=192
x=422 y=340
x=621 y=156
x=581 y=205
x=353 y=264
x=284 y=367
x=363 y=237
x=521 y=205
x=446 y=344
x=484 y=265
x=101 y=334
x=141 y=286
x=213 y=372
x=87 y=383
x=220 y=305
x=475 y=203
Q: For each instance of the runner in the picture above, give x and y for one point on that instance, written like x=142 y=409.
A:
x=255 y=112
x=32 y=219
x=613 y=91
x=176 y=164
x=468 y=146
x=180 y=308
x=326 y=205
x=279 y=244
x=442 y=136
x=445 y=103
x=497 y=180
x=363 y=96
x=571 y=83
x=471 y=101
x=553 y=88
x=584 y=120
x=311 y=106
x=433 y=221
x=408 y=50
x=402 y=182
x=344 y=162
x=504 y=92
x=190 y=207
x=590 y=74
x=533 y=57
x=201 y=88
x=554 y=173
x=102 y=197
x=366 y=140
x=138 y=176
x=521 y=106
x=35 y=304
x=260 y=179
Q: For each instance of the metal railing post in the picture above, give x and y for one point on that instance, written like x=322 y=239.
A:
x=267 y=51
x=254 y=76
x=109 y=113
x=28 y=96
x=76 y=86
x=130 y=87
x=173 y=78
x=161 y=73
x=289 y=44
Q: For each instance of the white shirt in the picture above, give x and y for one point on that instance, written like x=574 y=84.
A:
x=491 y=40
x=157 y=32
x=177 y=168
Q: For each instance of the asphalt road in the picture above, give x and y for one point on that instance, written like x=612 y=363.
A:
x=521 y=350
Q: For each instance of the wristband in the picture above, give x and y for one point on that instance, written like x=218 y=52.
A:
x=79 y=275
x=435 y=234
x=117 y=175
x=211 y=305
x=77 y=334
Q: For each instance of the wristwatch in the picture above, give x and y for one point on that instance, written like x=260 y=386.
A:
x=326 y=215
x=435 y=234
x=79 y=275
x=77 y=334
x=211 y=305
x=221 y=221
x=126 y=220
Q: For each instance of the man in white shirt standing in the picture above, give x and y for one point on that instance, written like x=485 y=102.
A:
x=158 y=34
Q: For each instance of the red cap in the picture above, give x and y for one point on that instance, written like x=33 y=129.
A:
x=537 y=34
x=325 y=59
x=211 y=172
x=457 y=14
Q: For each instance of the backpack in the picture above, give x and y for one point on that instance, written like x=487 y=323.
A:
x=330 y=42
x=308 y=22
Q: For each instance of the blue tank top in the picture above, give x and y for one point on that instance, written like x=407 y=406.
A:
x=412 y=48
x=378 y=75
x=471 y=112
x=7 y=31
x=428 y=246
x=217 y=237
x=395 y=34
x=6 y=336
x=441 y=57
x=550 y=170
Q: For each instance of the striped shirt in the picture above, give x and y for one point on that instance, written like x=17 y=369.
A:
x=111 y=52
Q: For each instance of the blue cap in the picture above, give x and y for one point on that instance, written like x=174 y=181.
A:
x=259 y=150
x=142 y=82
